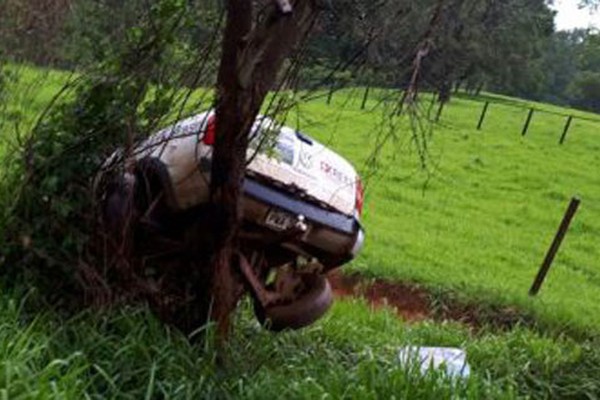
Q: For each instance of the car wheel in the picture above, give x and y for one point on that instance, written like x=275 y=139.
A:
x=129 y=203
x=304 y=310
x=119 y=209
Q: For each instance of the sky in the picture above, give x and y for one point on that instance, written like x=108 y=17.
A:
x=570 y=16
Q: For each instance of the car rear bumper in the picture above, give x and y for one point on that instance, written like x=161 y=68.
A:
x=332 y=237
x=335 y=236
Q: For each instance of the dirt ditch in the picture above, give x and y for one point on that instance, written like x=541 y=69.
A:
x=409 y=302
x=413 y=303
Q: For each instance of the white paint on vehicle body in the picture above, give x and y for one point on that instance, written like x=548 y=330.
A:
x=303 y=166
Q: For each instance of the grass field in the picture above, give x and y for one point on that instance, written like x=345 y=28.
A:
x=352 y=353
x=476 y=224
x=480 y=219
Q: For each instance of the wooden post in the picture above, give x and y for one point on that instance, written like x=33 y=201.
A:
x=527 y=122
x=365 y=98
x=567 y=126
x=558 y=238
x=482 y=117
x=439 y=111
x=330 y=94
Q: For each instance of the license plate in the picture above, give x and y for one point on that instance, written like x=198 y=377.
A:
x=279 y=220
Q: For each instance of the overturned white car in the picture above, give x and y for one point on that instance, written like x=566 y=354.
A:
x=301 y=208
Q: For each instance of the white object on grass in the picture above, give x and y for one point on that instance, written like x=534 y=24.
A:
x=452 y=360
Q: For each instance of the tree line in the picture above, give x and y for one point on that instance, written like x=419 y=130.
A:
x=510 y=47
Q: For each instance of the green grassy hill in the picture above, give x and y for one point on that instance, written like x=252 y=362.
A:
x=479 y=220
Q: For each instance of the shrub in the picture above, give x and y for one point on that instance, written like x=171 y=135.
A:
x=50 y=229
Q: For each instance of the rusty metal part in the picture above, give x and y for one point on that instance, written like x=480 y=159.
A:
x=310 y=305
x=264 y=296
x=288 y=284
x=313 y=267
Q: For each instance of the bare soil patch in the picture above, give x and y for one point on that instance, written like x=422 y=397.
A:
x=410 y=302
x=414 y=303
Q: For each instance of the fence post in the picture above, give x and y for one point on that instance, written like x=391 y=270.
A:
x=482 y=117
x=527 y=121
x=330 y=94
x=439 y=111
x=567 y=126
x=365 y=98
x=558 y=238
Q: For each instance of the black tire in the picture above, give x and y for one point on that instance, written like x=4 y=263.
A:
x=125 y=202
x=118 y=208
x=304 y=311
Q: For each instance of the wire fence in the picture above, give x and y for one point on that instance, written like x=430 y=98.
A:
x=368 y=95
x=530 y=112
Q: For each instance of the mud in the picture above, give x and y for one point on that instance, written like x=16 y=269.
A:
x=413 y=303
x=409 y=302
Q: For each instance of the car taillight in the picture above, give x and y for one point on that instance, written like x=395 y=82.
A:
x=211 y=129
x=360 y=196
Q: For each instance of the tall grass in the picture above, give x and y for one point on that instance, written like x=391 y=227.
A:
x=352 y=353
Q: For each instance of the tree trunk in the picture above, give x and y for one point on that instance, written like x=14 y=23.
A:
x=445 y=91
x=251 y=58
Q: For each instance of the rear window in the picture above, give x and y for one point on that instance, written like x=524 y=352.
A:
x=268 y=138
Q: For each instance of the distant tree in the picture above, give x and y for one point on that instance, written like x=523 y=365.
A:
x=32 y=29
x=560 y=64
x=97 y=30
x=589 y=55
x=584 y=90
